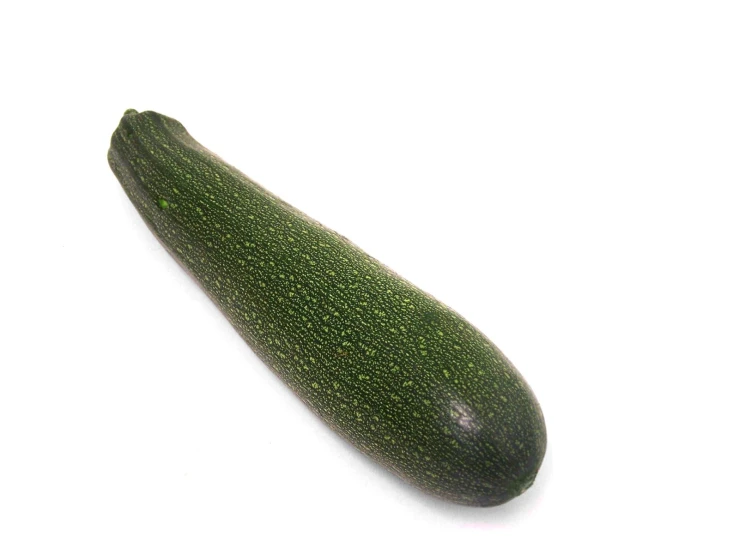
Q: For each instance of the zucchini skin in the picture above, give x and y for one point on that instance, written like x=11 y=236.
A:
x=391 y=369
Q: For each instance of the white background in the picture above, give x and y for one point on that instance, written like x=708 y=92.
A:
x=563 y=174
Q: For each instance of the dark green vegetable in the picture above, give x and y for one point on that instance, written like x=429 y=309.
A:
x=398 y=374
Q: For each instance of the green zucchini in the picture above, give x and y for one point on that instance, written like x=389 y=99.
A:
x=398 y=374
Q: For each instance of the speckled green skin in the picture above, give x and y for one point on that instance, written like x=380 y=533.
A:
x=398 y=374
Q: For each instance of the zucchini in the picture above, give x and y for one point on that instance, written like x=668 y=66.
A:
x=394 y=371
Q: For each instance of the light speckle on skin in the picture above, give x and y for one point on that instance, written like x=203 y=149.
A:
x=462 y=414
